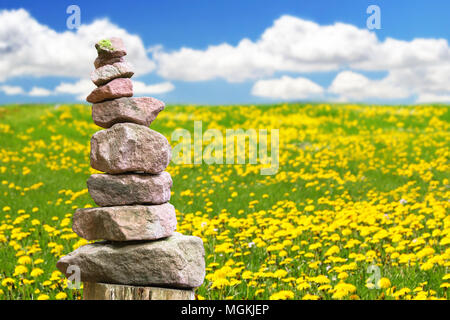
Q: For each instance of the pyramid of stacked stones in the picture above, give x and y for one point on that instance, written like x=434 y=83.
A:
x=134 y=219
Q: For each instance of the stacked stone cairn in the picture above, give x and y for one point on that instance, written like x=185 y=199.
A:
x=140 y=255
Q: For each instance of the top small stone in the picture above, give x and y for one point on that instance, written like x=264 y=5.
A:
x=110 y=48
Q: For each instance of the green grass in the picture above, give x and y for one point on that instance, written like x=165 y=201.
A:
x=353 y=163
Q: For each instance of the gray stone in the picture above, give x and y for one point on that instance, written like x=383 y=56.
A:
x=129 y=188
x=129 y=147
x=110 y=72
x=173 y=262
x=125 y=223
x=137 y=110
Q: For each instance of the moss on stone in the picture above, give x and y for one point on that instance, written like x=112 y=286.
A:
x=105 y=44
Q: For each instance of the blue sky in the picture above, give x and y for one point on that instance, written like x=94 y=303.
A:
x=328 y=71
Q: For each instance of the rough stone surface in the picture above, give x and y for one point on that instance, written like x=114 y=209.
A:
x=117 y=88
x=110 y=72
x=129 y=147
x=104 y=291
x=125 y=223
x=116 y=50
x=173 y=262
x=100 y=62
x=137 y=110
x=129 y=188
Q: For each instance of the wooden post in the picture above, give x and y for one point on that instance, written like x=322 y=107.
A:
x=103 y=291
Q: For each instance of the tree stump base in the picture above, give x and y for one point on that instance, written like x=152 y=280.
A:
x=104 y=291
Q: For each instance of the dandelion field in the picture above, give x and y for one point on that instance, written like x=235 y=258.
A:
x=359 y=208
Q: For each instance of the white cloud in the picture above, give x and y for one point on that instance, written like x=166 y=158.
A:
x=430 y=98
x=420 y=79
x=420 y=67
x=429 y=82
x=82 y=88
x=287 y=88
x=394 y=54
x=28 y=48
x=39 y=92
x=352 y=86
x=291 y=44
x=12 y=90
x=159 y=88
x=297 y=45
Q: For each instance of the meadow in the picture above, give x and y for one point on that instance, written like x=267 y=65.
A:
x=359 y=208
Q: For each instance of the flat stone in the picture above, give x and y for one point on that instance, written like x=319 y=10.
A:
x=100 y=62
x=105 y=291
x=137 y=110
x=129 y=147
x=129 y=188
x=111 y=48
x=117 y=88
x=110 y=72
x=174 y=262
x=125 y=223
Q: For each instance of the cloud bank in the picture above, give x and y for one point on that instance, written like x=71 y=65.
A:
x=418 y=69
x=28 y=48
x=287 y=88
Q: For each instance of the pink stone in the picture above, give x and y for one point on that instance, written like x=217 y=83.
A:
x=100 y=62
x=129 y=188
x=117 y=88
x=129 y=147
x=125 y=223
x=137 y=110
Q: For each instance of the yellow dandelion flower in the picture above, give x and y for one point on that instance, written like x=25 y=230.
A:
x=24 y=260
x=282 y=295
x=332 y=250
x=343 y=275
x=303 y=286
x=8 y=282
x=61 y=296
x=36 y=272
x=46 y=283
x=310 y=297
x=384 y=283
x=20 y=270
x=427 y=266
